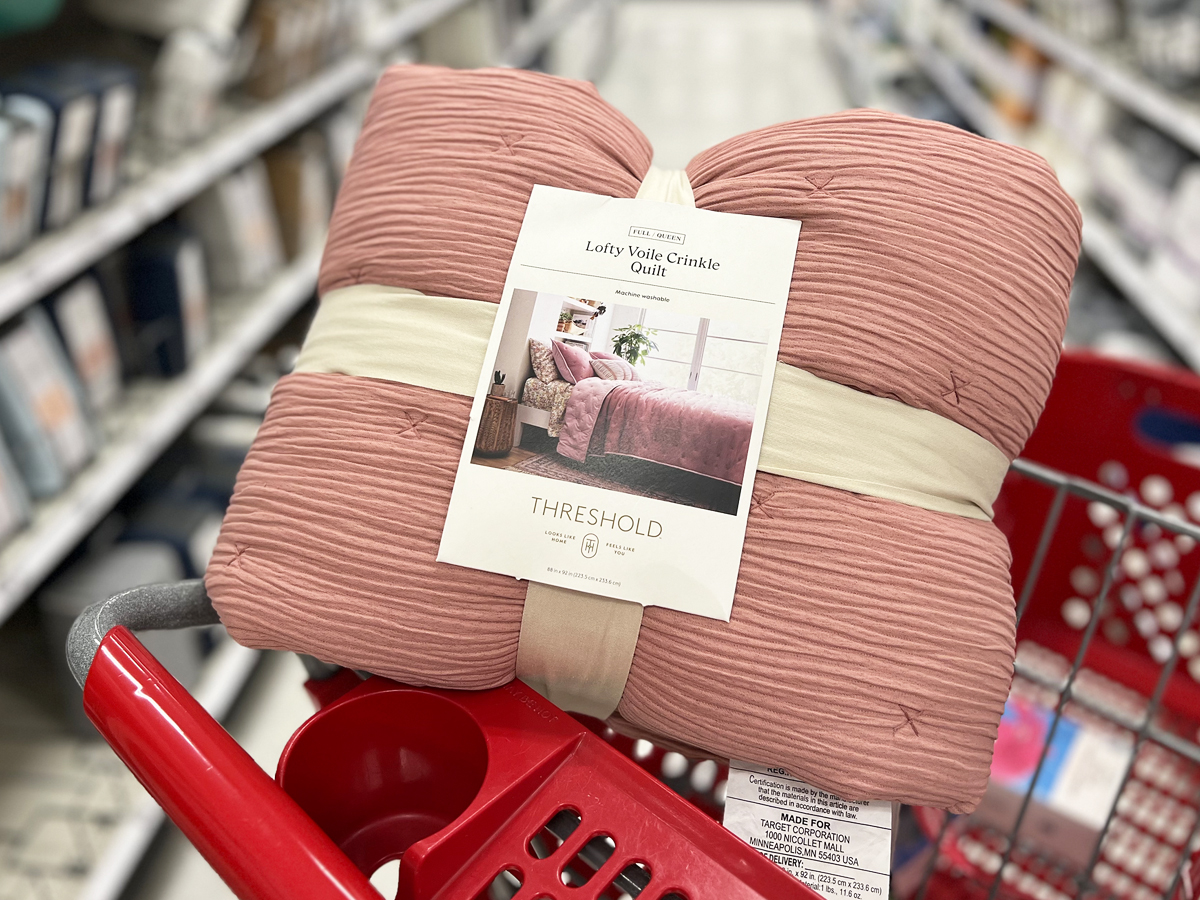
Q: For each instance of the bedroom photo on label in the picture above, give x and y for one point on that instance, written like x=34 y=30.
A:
x=635 y=400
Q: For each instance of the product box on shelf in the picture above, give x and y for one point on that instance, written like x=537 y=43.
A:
x=160 y=19
x=289 y=42
x=42 y=409
x=300 y=184
x=26 y=125
x=189 y=74
x=1175 y=263
x=1166 y=40
x=237 y=225
x=168 y=297
x=14 y=499
x=341 y=128
x=116 y=93
x=81 y=316
x=18 y=163
x=72 y=100
x=112 y=275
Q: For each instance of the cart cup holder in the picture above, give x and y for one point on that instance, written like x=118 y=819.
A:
x=381 y=771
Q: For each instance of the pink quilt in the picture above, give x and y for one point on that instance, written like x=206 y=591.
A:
x=686 y=429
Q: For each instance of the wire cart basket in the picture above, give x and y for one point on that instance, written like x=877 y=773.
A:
x=1101 y=514
x=1095 y=789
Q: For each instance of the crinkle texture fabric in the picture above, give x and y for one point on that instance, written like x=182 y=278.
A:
x=871 y=643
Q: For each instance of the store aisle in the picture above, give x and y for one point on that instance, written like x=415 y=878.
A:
x=691 y=73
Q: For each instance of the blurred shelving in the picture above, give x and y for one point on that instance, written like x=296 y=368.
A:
x=409 y=22
x=1173 y=114
x=1103 y=244
x=55 y=257
x=153 y=414
x=963 y=96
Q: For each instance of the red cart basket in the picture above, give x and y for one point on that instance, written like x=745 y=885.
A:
x=481 y=796
x=1101 y=514
x=495 y=795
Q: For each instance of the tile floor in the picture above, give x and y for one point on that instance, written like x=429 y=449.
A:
x=690 y=73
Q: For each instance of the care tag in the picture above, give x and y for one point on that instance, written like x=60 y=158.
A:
x=840 y=849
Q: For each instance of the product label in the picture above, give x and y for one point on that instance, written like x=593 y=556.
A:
x=1083 y=770
x=193 y=297
x=617 y=422
x=50 y=397
x=838 y=848
x=83 y=320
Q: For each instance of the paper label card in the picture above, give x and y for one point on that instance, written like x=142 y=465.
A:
x=839 y=848
x=616 y=426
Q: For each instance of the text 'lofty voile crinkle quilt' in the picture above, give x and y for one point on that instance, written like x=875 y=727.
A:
x=871 y=643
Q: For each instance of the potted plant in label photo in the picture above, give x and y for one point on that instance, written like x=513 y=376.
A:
x=498 y=383
x=564 y=320
x=633 y=343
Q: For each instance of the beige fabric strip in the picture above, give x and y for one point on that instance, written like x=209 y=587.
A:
x=816 y=430
x=576 y=649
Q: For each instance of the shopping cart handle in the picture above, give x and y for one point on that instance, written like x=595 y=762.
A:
x=257 y=838
x=179 y=604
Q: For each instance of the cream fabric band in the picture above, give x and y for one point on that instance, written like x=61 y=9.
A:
x=816 y=430
x=577 y=649
x=667 y=186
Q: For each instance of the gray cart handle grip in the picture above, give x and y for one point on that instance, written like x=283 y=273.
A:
x=180 y=604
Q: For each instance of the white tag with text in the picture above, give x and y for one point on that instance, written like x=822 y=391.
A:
x=617 y=422
x=841 y=849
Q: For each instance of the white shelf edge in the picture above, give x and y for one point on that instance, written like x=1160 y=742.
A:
x=1175 y=116
x=542 y=28
x=63 y=521
x=411 y=21
x=225 y=674
x=55 y=257
x=963 y=96
x=1179 y=327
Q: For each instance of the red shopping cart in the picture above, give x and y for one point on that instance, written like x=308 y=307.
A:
x=481 y=796
x=1101 y=516
x=495 y=795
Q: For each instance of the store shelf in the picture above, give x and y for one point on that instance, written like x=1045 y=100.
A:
x=225 y=673
x=54 y=258
x=1178 y=326
x=962 y=95
x=540 y=30
x=575 y=305
x=153 y=415
x=865 y=71
x=1170 y=113
x=410 y=22
x=1102 y=242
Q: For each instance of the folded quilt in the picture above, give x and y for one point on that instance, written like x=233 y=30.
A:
x=871 y=643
